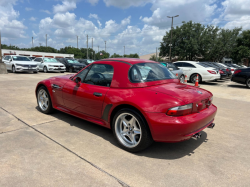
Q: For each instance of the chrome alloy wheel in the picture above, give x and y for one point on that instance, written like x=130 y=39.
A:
x=182 y=79
x=13 y=69
x=43 y=100
x=128 y=130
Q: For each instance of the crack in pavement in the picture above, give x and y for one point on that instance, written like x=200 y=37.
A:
x=118 y=180
x=13 y=130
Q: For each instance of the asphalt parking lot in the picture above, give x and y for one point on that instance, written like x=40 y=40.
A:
x=62 y=150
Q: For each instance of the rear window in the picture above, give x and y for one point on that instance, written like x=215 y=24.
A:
x=146 y=72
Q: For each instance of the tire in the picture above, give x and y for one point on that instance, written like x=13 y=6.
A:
x=13 y=69
x=44 y=101
x=70 y=69
x=62 y=71
x=45 y=70
x=132 y=137
x=193 y=78
x=182 y=79
x=248 y=83
x=34 y=71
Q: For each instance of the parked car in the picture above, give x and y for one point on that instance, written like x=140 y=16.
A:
x=86 y=61
x=17 y=63
x=175 y=70
x=222 y=70
x=49 y=64
x=192 y=69
x=71 y=64
x=242 y=76
x=140 y=100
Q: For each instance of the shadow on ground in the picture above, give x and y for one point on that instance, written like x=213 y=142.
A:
x=238 y=86
x=156 y=150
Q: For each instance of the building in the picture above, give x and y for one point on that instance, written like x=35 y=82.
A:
x=148 y=56
x=35 y=54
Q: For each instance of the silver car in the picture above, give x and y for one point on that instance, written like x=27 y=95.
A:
x=175 y=70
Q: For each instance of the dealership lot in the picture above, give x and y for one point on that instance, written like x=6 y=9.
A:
x=61 y=150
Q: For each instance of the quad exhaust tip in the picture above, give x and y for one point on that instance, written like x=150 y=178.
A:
x=211 y=125
x=197 y=135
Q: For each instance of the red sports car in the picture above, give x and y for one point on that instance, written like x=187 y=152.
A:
x=140 y=100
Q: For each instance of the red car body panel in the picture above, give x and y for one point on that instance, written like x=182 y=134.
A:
x=152 y=99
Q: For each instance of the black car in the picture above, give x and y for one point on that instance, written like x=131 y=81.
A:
x=86 y=61
x=242 y=76
x=224 y=73
x=72 y=65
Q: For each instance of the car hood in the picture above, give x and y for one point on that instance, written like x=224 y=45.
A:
x=186 y=93
x=54 y=63
x=25 y=62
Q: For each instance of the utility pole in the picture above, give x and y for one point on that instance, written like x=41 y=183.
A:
x=105 y=46
x=87 y=47
x=32 y=42
x=124 y=52
x=92 y=44
x=77 y=41
x=156 y=55
x=46 y=40
x=170 y=45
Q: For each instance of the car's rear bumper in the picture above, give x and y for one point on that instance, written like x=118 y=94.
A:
x=210 y=77
x=174 y=129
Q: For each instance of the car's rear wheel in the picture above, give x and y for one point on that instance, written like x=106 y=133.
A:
x=131 y=131
x=70 y=69
x=182 y=79
x=248 y=83
x=45 y=70
x=193 y=78
x=44 y=101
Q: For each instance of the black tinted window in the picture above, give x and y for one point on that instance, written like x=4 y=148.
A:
x=100 y=74
x=185 y=64
x=178 y=64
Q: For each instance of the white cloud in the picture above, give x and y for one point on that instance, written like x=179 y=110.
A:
x=126 y=3
x=66 y=6
x=34 y=34
x=10 y=26
x=93 y=2
x=45 y=11
x=28 y=9
x=95 y=16
x=33 y=19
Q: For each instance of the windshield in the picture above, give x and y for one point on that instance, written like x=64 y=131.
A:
x=72 y=61
x=21 y=58
x=49 y=60
x=145 y=72
x=90 y=61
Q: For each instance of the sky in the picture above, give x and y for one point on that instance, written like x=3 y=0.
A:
x=139 y=25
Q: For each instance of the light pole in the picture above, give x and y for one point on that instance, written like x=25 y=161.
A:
x=170 y=45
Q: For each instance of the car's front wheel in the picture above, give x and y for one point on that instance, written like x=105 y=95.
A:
x=131 y=130
x=248 y=83
x=45 y=70
x=44 y=101
x=13 y=69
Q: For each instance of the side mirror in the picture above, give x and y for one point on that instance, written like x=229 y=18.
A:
x=78 y=81
x=171 y=69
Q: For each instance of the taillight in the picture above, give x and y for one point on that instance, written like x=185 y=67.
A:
x=237 y=71
x=221 y=72
x=180 y=110
x=227 y=70
x=232 y=69
x=212 y=72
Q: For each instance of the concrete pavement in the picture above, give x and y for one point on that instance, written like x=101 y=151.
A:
x=61 y=150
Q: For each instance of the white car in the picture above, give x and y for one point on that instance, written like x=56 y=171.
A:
x=17 y=63
x=49 y=64
x=191 y=69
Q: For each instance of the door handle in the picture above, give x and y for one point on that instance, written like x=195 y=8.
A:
x=97 y=94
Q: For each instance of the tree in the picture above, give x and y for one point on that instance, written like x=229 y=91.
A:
x=115 y=56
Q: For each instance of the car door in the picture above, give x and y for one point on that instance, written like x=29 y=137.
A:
x=89 y=96
x=187 y=68
x=6 y=60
